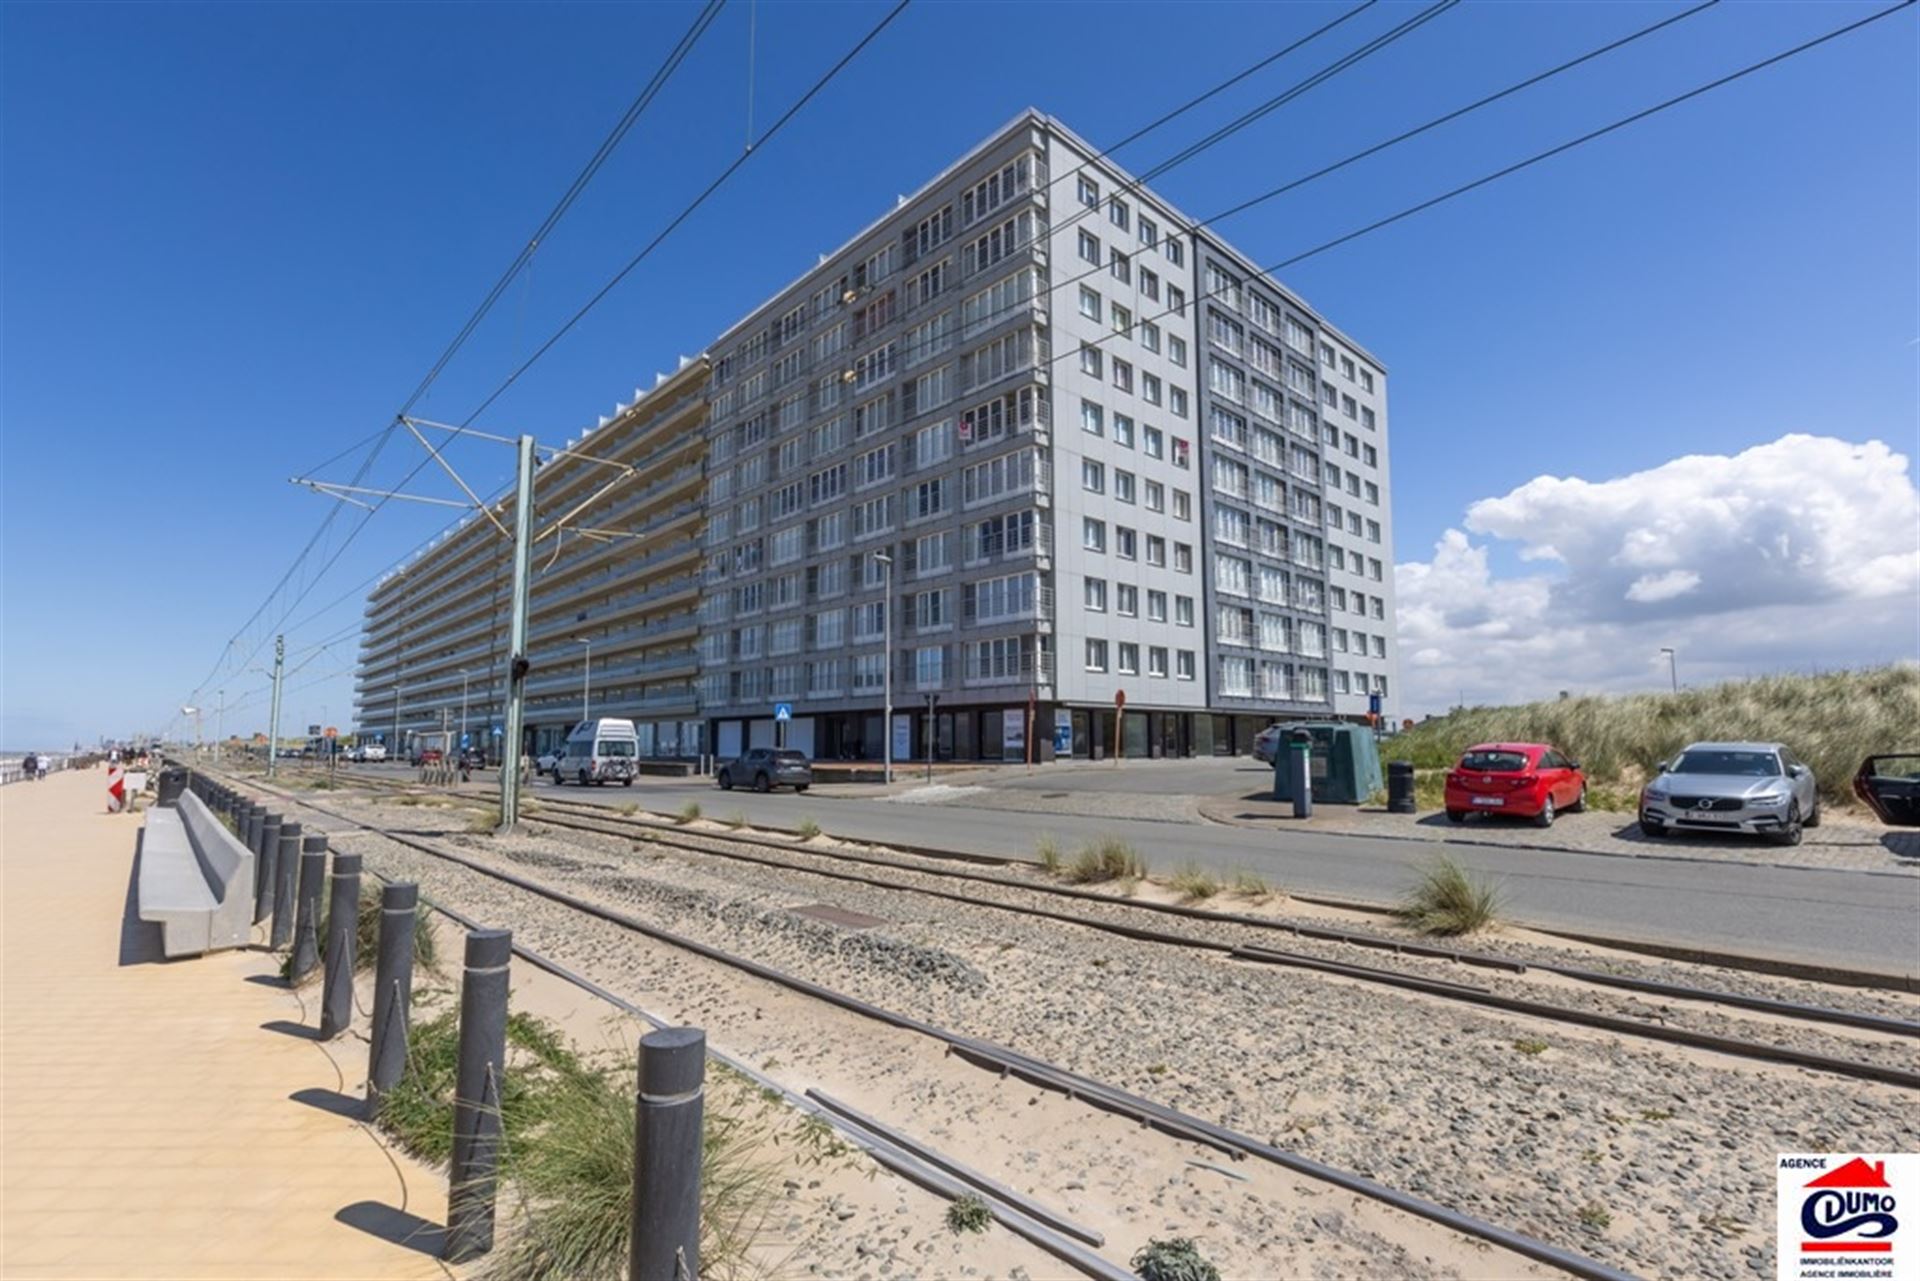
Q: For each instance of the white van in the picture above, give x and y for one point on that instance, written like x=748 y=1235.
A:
x=599 y=751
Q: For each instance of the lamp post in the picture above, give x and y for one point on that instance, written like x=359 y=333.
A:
x=219 y=725
x=886 y=627
x=464 y=676
x=586 y=680
x=395 y=755
x=1673 y=671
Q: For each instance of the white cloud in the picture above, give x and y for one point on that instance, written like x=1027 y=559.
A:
x=1804 y=551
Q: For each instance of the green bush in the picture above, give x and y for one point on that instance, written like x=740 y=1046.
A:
x=1194 y=884
x=1106 y=859
x=1047 y=851
x=808 y=829
x=689 y=812
x=968 y=1213
x=1175 y=1259
x=1831 y=721
x=1449 y=900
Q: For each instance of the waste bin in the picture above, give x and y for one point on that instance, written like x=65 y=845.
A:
x=171 y=782
x=1400 y=787
x=1345 y=762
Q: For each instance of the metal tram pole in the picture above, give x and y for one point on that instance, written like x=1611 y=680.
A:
x=886 y=624
x=273 y=717
x=517 y=639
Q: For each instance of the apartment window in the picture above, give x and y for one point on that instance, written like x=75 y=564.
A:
x=1182 y=558
x=1177 y=350
x=1150 y=388
x=1156 y=606
x=1156 y=550
x=932 y=445
x=1172 y=249
x=1370 y=455
x=1366 y=419
x=1349 y=407
x=1128 y=659
x=1093 y=534
x=1177 y=401
x=1373 y=493
x=1366 y=379
x=1149 y=335
x=1152 y=443
x=1176 y=298
x=1149 y=285
x=1123 y=486
x=1126 y=543
x=1122 y=320
x=1182 y=505
x=1093 y=418
x=1092 y=362
x=1156 y=496
x=1346 y=367
x=1374 y=568
x=1126 y=600
x=1379 y=647
x=1096 y=595
x=1182 y=454
x=1183 y=611
x=1119 y=266
x=1373 y=531
x=1118 y=214
x=1089 y=192
x=933 y=554
x=1157 y=661
x=1123 y=430
x=1089 y=304
x=1340 y=681
x=1090 y=248
x=1096 y=656
x=1093 y=477
x=1122 y=375
x=1183 y=660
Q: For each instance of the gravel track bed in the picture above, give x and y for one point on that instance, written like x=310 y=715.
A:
x=1239 y=1230
x=1673 y=1149
x=1727 y=1021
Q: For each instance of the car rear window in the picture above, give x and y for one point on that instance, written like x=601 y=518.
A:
x=1494 y=762
x=1754 y=764
x=617 y=747
x=791 y=758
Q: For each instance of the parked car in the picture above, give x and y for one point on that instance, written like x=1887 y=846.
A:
x=1890 y=785
x=425 y=756
x=373 y=752
x=547 y=762
x=1760 y=789
x=765 y=768
x=1526 y=780
x=599 y=751
x=1266 y=744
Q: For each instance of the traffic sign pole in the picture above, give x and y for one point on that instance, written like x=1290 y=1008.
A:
x=1119 y=716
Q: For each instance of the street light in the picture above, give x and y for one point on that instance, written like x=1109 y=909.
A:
x=463 y=708
x=219 y=725
x=586 y=679
x=1673 y=671
x=886 y=627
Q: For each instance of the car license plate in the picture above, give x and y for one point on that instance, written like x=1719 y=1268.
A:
x=1489 y=800
x=1701 y=816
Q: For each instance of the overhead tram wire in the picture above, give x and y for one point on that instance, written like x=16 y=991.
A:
x=785 y=118
x=1534 y=159
x=1378 y=147
x=602 y=153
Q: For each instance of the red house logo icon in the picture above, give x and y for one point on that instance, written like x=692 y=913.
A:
x=1849 y=1211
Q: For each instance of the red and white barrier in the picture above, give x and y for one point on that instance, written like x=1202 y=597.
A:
x=116 y=789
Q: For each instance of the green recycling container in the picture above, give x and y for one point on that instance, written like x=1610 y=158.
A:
x=1344 y=762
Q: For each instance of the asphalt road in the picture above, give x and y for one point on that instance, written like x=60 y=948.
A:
x=1846 y=919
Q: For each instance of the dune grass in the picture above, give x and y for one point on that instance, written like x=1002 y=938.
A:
x=366 y=938
x=1106 y=859
x=1831 y=721
x=1447 y=899
x=1193 y=883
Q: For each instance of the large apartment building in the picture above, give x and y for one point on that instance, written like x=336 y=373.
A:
x=1035 y=443
x=1027 y=444
x=616 y=584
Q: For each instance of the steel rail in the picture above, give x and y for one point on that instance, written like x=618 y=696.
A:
x=1013 y=1062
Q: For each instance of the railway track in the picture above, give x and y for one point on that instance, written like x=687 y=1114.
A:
x=1008 y=1062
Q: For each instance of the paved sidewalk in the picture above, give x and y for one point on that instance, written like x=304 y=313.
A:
x=171 y=1119
x=1840 y=843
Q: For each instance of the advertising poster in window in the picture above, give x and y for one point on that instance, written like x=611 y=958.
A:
x=902 y=737
x=1013 y=732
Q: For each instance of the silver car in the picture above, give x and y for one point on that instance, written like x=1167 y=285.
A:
x=1759 y=789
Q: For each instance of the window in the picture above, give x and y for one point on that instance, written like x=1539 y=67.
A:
x=1157 y=661
x=932 y=445
x=1156 y=496
x=1182 y=505
x=1010 y=237
x=1177 y=401
x=1177 y=350
x=1092 y=363
x=873 y=467
x=1346 y=367
x=1149 y=232
x=1122 y=320
x=1152 y=443
x=1089 y=192
x=1373 y=531
x=1123 y=486
x=1176 y=298
x=1150 y=388
x=1096 y=595
x=1089 y=248
x=1119 y=266
x=1233 y=576
x=1093 y=418
x=1156 y=550
x=1183 y=660
x=1128 y=659
x=1093 y=477
x=1118 y=214
x=1370 y=455
x=933 y=554
x=1149 y=285
x=1149 y=335
x=1379 y=647
x=996 y=189
x=1182 y=558
x=1122 y=375
x=1123 y=430
x=1093 y=534
x=1183 y=611
x=1366 y=419
x=1373 y=493
x=1089 y=304
x=1348 y=407
x=1126 y=600
x=929 y=498
x=997 y=476
x=1126 y=543
x=1366 y=379
x=1096 y=656
x=1172 y=249
x=1156 y=606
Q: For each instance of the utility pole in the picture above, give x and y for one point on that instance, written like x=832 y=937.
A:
x=273 y=717
x=886 y=625
x=517 y=639
x=219 y=725
x=394 y=753
x=463 y=708
x=586 y=680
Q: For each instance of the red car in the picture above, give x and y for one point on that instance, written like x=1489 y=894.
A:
x=1527 y=780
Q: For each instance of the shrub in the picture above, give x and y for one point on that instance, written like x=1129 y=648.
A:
x=1530 y=1045
x=1449 y=900
x=968 y=1213
x=1047 y=851
x=486 y=820
x=1595 y=1216
x=808 y=829
x=1175 y=1259
x=366 y=935
x=1107 y=859
x=689 y=812
x=1193 y=884
x=1251 y=885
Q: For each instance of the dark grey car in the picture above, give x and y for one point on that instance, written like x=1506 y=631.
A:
x=1760 y=789
x=765 y=768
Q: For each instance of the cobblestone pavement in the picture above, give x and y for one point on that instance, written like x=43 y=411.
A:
x=1841 y=842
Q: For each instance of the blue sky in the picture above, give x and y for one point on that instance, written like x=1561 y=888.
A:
x=236 y=236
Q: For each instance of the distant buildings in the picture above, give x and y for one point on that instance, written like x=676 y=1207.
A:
x=1056 y=443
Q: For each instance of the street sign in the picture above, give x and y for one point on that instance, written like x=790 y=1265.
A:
x=332 y=732
x=1120 y=698
x=313 y=731
x=783 y=711
x=496 y=731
